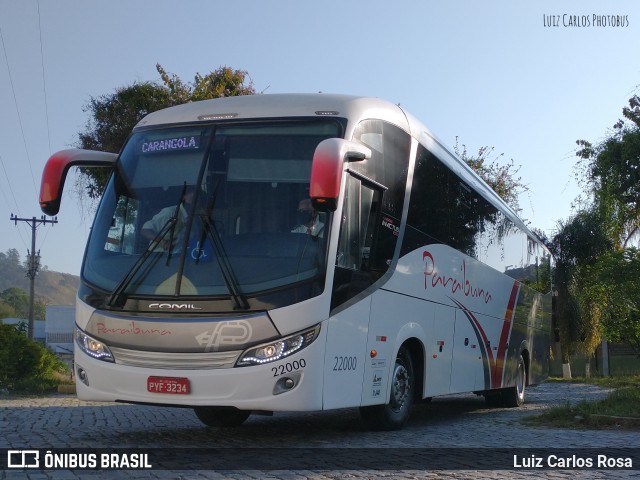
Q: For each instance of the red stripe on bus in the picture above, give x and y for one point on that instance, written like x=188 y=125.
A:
x=498 y=367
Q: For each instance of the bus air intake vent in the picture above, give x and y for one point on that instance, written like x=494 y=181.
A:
x=177 y=361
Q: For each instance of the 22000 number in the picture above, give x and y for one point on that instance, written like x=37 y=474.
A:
x=289 y=367
x=343 y=364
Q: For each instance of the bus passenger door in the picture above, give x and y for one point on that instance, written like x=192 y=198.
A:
x=350 y=305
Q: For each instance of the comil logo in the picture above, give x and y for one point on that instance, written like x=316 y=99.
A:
x=173 y=306
x=23 y=459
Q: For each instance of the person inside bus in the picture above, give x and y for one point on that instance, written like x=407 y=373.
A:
x=308 y=219
x=152 y=227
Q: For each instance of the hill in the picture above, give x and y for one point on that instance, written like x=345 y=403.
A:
x=52 y=288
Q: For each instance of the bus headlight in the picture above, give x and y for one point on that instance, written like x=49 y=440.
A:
x=270 y=352
x=92 y=347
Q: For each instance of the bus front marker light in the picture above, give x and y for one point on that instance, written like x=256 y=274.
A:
x=289 y=383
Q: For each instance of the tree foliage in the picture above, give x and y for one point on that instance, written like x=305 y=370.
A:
x=503 y=178
x=611 y=287
x=24 y=361
x=579 y=242
x=113 y=116
x=597 y=269
x=611 y=170
x=16 y=301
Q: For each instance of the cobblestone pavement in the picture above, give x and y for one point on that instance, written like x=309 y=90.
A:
x=461 y=421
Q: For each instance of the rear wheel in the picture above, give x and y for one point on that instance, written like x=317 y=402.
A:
x=394 y=415
x=510 y=396
x=514 y=396
x=221 y=416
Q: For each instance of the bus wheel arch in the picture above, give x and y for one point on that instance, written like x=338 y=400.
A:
x=394 y=414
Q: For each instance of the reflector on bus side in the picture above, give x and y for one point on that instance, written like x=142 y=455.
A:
x=55 y=173
x=326 y=170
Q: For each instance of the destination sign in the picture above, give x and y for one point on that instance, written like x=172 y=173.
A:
x=170 y=144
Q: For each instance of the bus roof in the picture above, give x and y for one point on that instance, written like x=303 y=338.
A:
x=278 y=106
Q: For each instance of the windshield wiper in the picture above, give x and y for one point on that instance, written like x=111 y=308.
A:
x=223 y=262
x=222 y=258
x=175 y=217
x=169 y=226
x=114 y=298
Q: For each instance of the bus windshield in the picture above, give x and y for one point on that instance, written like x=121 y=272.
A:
x=210 y=211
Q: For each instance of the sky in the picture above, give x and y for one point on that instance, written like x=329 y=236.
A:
x=526 y=78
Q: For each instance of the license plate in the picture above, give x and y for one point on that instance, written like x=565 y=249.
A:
x=174 y=385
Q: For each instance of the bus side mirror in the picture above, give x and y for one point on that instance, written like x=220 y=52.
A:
x=55 y=173
x=326 y=170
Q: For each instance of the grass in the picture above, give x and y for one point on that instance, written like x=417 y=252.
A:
x=621 y=409
x=39 y=385
x=607 y=382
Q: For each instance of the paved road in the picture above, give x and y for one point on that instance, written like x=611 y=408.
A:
x=460 y=422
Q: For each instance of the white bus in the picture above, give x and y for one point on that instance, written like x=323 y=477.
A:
x=301 y=253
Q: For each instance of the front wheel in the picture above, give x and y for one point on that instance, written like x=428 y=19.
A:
x=221 y=416
x=395 y=414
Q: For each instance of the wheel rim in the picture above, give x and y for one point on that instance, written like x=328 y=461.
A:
x=520 y=382
x=400 y=390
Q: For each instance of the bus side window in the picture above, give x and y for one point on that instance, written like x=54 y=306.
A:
x=358 y=225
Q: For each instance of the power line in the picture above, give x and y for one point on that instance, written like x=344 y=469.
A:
x=15 y=202
x=44 y=82
x=44 y=91
x=15 y=100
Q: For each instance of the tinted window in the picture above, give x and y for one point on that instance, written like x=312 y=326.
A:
x=374 y=199
x=444 y=209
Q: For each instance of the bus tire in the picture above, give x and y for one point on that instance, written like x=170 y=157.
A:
x=395 y=414
x=514 y=396
x=221 y=416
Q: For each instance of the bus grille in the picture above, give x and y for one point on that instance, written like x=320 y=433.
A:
x=177 y=361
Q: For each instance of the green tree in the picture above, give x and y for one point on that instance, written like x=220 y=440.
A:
x=611 y=171
x=113 y=116
x=6 y=311
x=503 y=178
x=25 y=363
x=18 y=300
x=612 y=286
x=577 y=245
x=595 y=267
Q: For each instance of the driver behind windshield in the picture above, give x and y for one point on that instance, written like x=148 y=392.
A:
x=171 y=241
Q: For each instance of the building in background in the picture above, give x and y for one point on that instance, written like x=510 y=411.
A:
x=59 y=323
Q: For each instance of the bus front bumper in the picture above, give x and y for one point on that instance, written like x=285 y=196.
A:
x=293 y=383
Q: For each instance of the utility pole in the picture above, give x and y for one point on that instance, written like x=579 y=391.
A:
x=33 y=261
